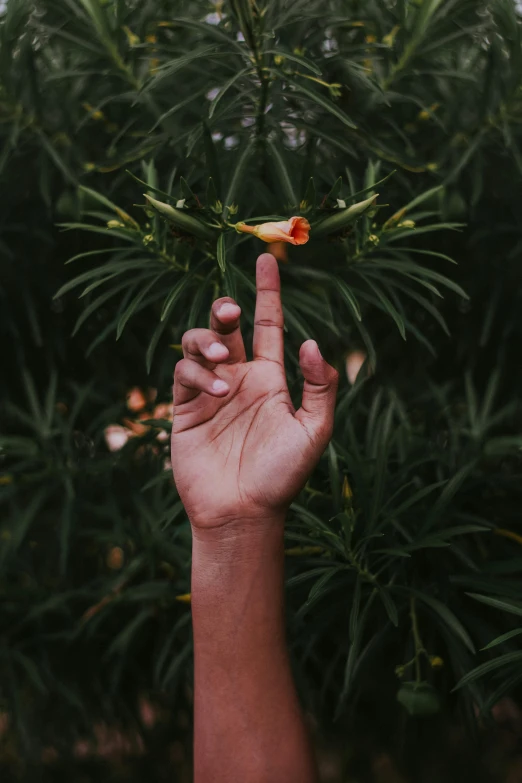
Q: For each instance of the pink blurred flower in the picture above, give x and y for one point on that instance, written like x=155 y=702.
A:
x=116 y=436
x=147 y=712
x=354 y=362
x=163 y=411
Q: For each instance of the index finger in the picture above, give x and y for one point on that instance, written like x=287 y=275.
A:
x=269 y=320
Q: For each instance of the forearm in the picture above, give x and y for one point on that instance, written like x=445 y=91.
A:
x=248 y=723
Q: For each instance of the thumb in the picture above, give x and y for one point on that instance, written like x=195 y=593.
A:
x=320 y=389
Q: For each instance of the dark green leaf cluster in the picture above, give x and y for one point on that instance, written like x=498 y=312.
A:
x=134 y=136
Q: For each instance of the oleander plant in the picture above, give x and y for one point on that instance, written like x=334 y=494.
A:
x=147 y=148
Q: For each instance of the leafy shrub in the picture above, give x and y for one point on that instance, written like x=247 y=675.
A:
x=403 y=549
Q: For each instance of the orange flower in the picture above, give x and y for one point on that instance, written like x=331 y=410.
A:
x=115 y=558
x=295 y=230
x=354 y=362
x=136 y=400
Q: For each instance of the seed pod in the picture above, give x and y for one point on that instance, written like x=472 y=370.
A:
x=419 y=698
x=342 y=218
x=181 y=219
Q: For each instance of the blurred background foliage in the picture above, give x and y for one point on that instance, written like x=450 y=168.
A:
x=404 y=550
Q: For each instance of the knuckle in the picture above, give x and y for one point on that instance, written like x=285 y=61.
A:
x=194 y=339
x=325 y=431
x=180 y=369
x=187 y=337
x=268 y=322
x=334 y=375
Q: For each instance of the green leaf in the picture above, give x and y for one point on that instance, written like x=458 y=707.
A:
x=239 y=172
x=66 y=523
x=503 y=605
x=324 y=103
x=151 y=187
x=308 y=64
x=175 y=665
x=212 y=161
x=419 y=251
x=173 y=297
x=447 y=495
x=505 y=637
x=389 y=605
x=349 y=297
x=230 y=281
x=56 y=158
x=106 y=271
x=447 y=617
x=168 y=649
x=221 y=253
x=123 y=640
x=507 y=444
x=318 y=590
x=354 y=613
x=173 y=66
x=352 y=658
x=24 y=519
x=168 y=307
x=370 y=187
x=387 y=304
x=242 y=10
x=306 y=575
x=208 y=31
x=226 y=87
x=420 y=199
x=31 y=670
x=282 y=175
x=174 y=110
x=335 y=478
x=187 y=193
x=331 y=198
x=490 y=666
x=342 y=218
x=134 y=305
x=310 y=195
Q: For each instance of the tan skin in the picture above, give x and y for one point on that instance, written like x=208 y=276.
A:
x=240 y=454
x=244 y=445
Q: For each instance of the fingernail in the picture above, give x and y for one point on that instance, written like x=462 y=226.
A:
x=228 y=309
x=317 y=346
x=217 y=350
x=219 y=386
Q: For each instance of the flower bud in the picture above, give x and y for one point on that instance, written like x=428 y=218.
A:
x=343 y=217
x=182 y=219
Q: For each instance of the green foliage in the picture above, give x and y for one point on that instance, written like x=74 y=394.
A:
x=134 y=136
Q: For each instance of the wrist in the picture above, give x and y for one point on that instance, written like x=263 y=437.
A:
x=221 y=530
x=230 y=553
x=236 y=536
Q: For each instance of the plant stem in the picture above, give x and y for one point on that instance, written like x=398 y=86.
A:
x=419 y=648
x=261 y=109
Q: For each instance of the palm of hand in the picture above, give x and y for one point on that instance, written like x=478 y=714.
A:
x=248 y=450
x=247 y=454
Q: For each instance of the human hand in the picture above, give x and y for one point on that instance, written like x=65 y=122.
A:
x=240 y=451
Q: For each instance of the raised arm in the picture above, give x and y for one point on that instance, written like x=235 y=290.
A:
x=240 y=454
